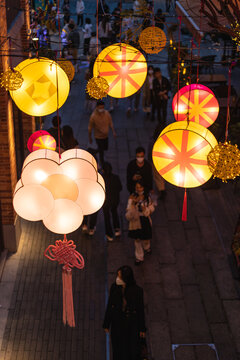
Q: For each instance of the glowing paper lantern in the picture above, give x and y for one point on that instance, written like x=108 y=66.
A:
x=180 y=154
x=45 y=87
x=59 y=191
x=68 y=67
x=41 y=139
x=124 y=68
x=196 y=103
x=152 y=40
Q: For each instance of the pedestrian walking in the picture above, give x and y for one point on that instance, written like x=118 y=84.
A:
x=158 y=179
x=139 y=209
x=159 y=19
x=69 y=141
x=53 y=130
x=139 y=169
x=80 y=7
x=87 y=31
x=113 y=188
x=124 y=316
x=148 y=96
x=133 y=102
x=90 y=102
x=161 y=87
x=105 y=31
x=100 y=122
x=94 y=46
x=73 y=43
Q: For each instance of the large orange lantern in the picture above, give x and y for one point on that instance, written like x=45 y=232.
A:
x=124 y=68
x=180 y=154
x=44 y=89
x=196 y=103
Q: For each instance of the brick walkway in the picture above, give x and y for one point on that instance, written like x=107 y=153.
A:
x=190 y=294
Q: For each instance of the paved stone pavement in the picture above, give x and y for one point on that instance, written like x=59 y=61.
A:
x=191 y=296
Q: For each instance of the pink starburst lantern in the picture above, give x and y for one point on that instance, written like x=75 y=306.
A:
x=196 y=103
x=41 y=139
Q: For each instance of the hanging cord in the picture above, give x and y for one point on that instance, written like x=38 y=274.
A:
x=97 y=27
x=59 y=137
x=153 y=17
x=120 y=21
x=179 y=49
x=10 y=50
x=228 y=98
x=179 y=56
x=59 y=29
x=200 y=39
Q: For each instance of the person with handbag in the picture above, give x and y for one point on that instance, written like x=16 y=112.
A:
x=125 y=317
x=139 y=209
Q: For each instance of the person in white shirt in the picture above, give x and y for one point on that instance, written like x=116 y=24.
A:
x=80 y=7
x=87 y=30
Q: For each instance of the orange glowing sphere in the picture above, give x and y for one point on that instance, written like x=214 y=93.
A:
x=124 y=68
x=180 y=154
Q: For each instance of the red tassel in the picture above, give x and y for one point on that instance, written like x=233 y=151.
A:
x=184 y=208
x=68 y=309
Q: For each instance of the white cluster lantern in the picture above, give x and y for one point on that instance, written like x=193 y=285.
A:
x=59 y=191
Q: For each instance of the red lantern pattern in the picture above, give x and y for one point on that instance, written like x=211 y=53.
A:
x=195 y=103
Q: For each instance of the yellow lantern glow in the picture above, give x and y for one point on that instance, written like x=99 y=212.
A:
x=124 y=68
x=45 y=87
x=152 y=40
x=180 y=154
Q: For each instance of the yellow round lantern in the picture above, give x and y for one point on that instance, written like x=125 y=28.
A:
x=124 y=68
x=68 y=67
x=152 y=40
x=44 y=89
x=180 y=154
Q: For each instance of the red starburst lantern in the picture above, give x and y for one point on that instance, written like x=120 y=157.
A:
x=195 y=103
x=41 y=139
x=64 y=252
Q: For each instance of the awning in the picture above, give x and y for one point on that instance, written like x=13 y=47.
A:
x=190 y=11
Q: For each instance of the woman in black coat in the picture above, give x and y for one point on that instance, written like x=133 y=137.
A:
x=125 y=316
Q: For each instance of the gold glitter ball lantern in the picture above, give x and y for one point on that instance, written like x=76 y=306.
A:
x=11 y=80
x=224 y=161
x=97 y=87
x=152 y=40
x=68 y=67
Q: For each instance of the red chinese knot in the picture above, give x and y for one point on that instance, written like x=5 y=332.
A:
x=64 y=252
